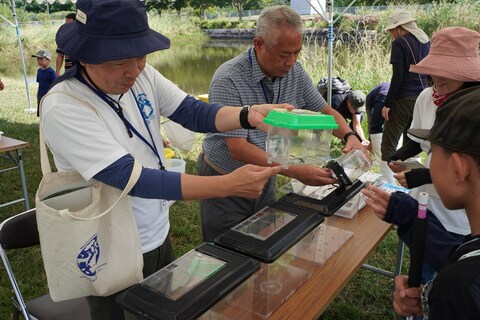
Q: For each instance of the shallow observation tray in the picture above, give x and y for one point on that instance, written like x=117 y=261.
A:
x=328 y=205
x=270 y=232
x=189 y=286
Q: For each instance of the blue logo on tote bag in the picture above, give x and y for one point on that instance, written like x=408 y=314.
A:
x=88 y=258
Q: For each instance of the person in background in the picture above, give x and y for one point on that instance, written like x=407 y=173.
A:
x=453 y=64
x=61 y=57
x=351 y=105
x=268 y=72
x=455 y=169
x=111 y=39
x=374 y=103
x=410 y=46
x=2 y=86
x=45 y=74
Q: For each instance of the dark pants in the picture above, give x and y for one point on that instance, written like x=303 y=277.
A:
x=374 y=116
x=221 y=214
x=106 y=308
x=400 y=119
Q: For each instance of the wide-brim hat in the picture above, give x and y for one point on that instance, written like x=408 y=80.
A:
x=398 y=18
x=402 y=18
x=107 y=30
x=453 y=55
x=456 y=123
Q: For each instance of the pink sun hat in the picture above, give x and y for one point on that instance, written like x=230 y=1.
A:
x=453 y=55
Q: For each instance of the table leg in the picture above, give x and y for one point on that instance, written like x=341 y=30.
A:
x=398 y=263
x=22 y=179
x=399 y=258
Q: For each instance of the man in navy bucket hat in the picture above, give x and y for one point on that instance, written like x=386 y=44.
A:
x=103 y=114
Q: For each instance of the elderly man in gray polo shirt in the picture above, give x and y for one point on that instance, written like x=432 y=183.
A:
x=268 y=72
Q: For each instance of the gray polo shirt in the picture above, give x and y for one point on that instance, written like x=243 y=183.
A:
x=239 y=82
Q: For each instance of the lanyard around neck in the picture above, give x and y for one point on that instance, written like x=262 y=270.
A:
x=115 y=105
x=265 y=93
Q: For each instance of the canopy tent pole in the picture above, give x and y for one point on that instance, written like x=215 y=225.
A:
x=327 y=15
x=17 y=28
x=330 y=51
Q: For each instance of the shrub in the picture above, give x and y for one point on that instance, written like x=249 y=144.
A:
x=444 y=14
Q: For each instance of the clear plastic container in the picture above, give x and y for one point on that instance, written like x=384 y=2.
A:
x=174 y=164
x=237 y=305
x=189 y=286
x=285 y=240
x=276 y=282
x=337 y=229
x=298 y=137
x=271 y=286
x=355 y=163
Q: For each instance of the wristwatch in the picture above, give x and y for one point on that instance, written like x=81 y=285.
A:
x=351 y=133
x=244 y=117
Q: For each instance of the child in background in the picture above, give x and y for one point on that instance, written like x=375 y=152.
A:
x=45 y=74
x=455 y=171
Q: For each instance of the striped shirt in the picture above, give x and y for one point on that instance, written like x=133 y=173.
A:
x=239 y=82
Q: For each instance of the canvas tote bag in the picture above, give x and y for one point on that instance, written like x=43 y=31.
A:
x=88 y=235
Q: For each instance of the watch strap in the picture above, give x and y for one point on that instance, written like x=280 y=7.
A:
x=351 y=133
x=244 y=117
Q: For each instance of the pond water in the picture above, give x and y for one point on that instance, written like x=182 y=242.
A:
x=190 y=66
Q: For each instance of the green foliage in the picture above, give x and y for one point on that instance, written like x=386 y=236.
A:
x=6 y=11
x=202 y=5
x=44 y=7
x=338 y=19
x=446 y=14
x=359 y=22
x=364 y=64
x=158 y=5
x=227 y=24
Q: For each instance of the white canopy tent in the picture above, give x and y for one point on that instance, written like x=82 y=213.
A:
x=20 y=46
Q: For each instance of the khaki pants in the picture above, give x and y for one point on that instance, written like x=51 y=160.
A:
x=221 y=214
x=400 y=119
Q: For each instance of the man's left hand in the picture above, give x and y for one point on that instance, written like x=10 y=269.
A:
x=354 y=143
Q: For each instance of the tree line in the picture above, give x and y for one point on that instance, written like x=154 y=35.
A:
x=200 y=6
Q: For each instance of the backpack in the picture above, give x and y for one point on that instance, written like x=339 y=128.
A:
x=339 y=85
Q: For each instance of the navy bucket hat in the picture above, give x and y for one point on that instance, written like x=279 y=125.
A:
x=107 y=30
